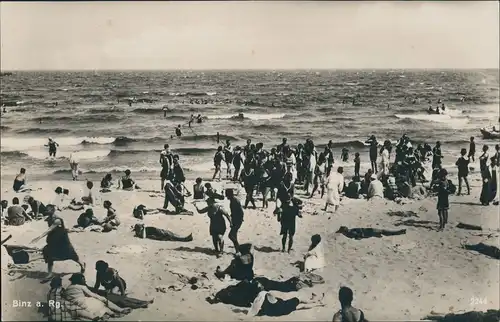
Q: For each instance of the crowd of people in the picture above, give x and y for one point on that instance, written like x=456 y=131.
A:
x=276 y=174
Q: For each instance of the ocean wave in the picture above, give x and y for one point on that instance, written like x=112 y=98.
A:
x=181 y=151
x=118 y=170
x=103 y=110
x=16 y=143
x=43 y=131
x=64 y=155
x=208 y=137
x=13 y=154
x=4 y=128
x=255 y=117
x=143 y=110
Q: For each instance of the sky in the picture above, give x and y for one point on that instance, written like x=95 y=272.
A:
x=248 y=35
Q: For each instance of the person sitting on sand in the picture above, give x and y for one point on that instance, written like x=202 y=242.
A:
x=360 y=233
x=266 y=304
x=353 y=188
x=210 y=192
x=348 y=313
x=58 y=312
x=174 y=196
x=89 y=198
x=59 y=247
x=392 y=191
x=107 y=183
x=20 y=182
x=109 y=278
x=4 y=205
x=16 y=215
x=217 y=227
x=37 y=207
x=85 y=304
x=198 y=190
x=111 y=221
x=140 y=211
x=314 y=258
x=154 y=233
x=375 y=189
x=87 y=219
x=126 y=182
x=241 y=267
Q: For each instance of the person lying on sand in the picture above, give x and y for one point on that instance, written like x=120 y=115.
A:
x=314 y=258
x=159 y=234
x=109 y=278
x=85 y=304
x=348 y=313
x=140 y=211
x=360 y=233
x=20 y=182
x=59 y=247
x=16 y=215
x=241 y=267
x=267 y=304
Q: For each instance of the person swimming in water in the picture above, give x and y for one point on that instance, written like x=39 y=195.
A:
x=178 y=131
x=52 y=147
x=199 y=119
x=165 y=110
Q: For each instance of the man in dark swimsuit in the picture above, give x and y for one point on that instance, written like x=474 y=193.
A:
x=361 y=233
x=472 y=149
x=52 y=147
x=178 y=131
x=236 y=217
x=289 y=212
x=159 y=234
x=217 y=227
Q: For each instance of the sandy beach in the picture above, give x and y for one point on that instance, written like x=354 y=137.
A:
x=394 y=278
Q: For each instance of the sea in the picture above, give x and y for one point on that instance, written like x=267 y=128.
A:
x=87 y=114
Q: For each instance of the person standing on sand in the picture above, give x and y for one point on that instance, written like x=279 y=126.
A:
x=287 y=215
x=373 y=152
x=472 y=149
x=436 y=156
x=485 y=176
x=228 y=157
x=217 y=223
x=165 y=165
x=52 y=147
x=236 y=217
x=463 y=171
x=218 y=158
x=348 y=313
x=334 y=187
x=59 y=247
x=443 y=203
x=73 y=163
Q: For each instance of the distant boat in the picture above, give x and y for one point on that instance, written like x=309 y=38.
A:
x=490 y=134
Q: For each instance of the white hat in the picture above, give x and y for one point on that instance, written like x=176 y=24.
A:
x=374 y=176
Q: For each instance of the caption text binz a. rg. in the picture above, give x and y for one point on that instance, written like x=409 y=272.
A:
x=22 y=304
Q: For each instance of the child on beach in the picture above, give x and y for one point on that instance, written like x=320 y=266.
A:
x=357 y=164
x=198 y=190
x=218 y=158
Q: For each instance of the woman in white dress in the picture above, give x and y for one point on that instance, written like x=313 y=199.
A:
x=334 y=186
x=427 y=163
x=385 y=159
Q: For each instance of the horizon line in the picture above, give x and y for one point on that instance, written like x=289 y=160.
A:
x=244 y=69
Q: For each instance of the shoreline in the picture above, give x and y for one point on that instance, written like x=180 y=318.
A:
x=417 y=268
